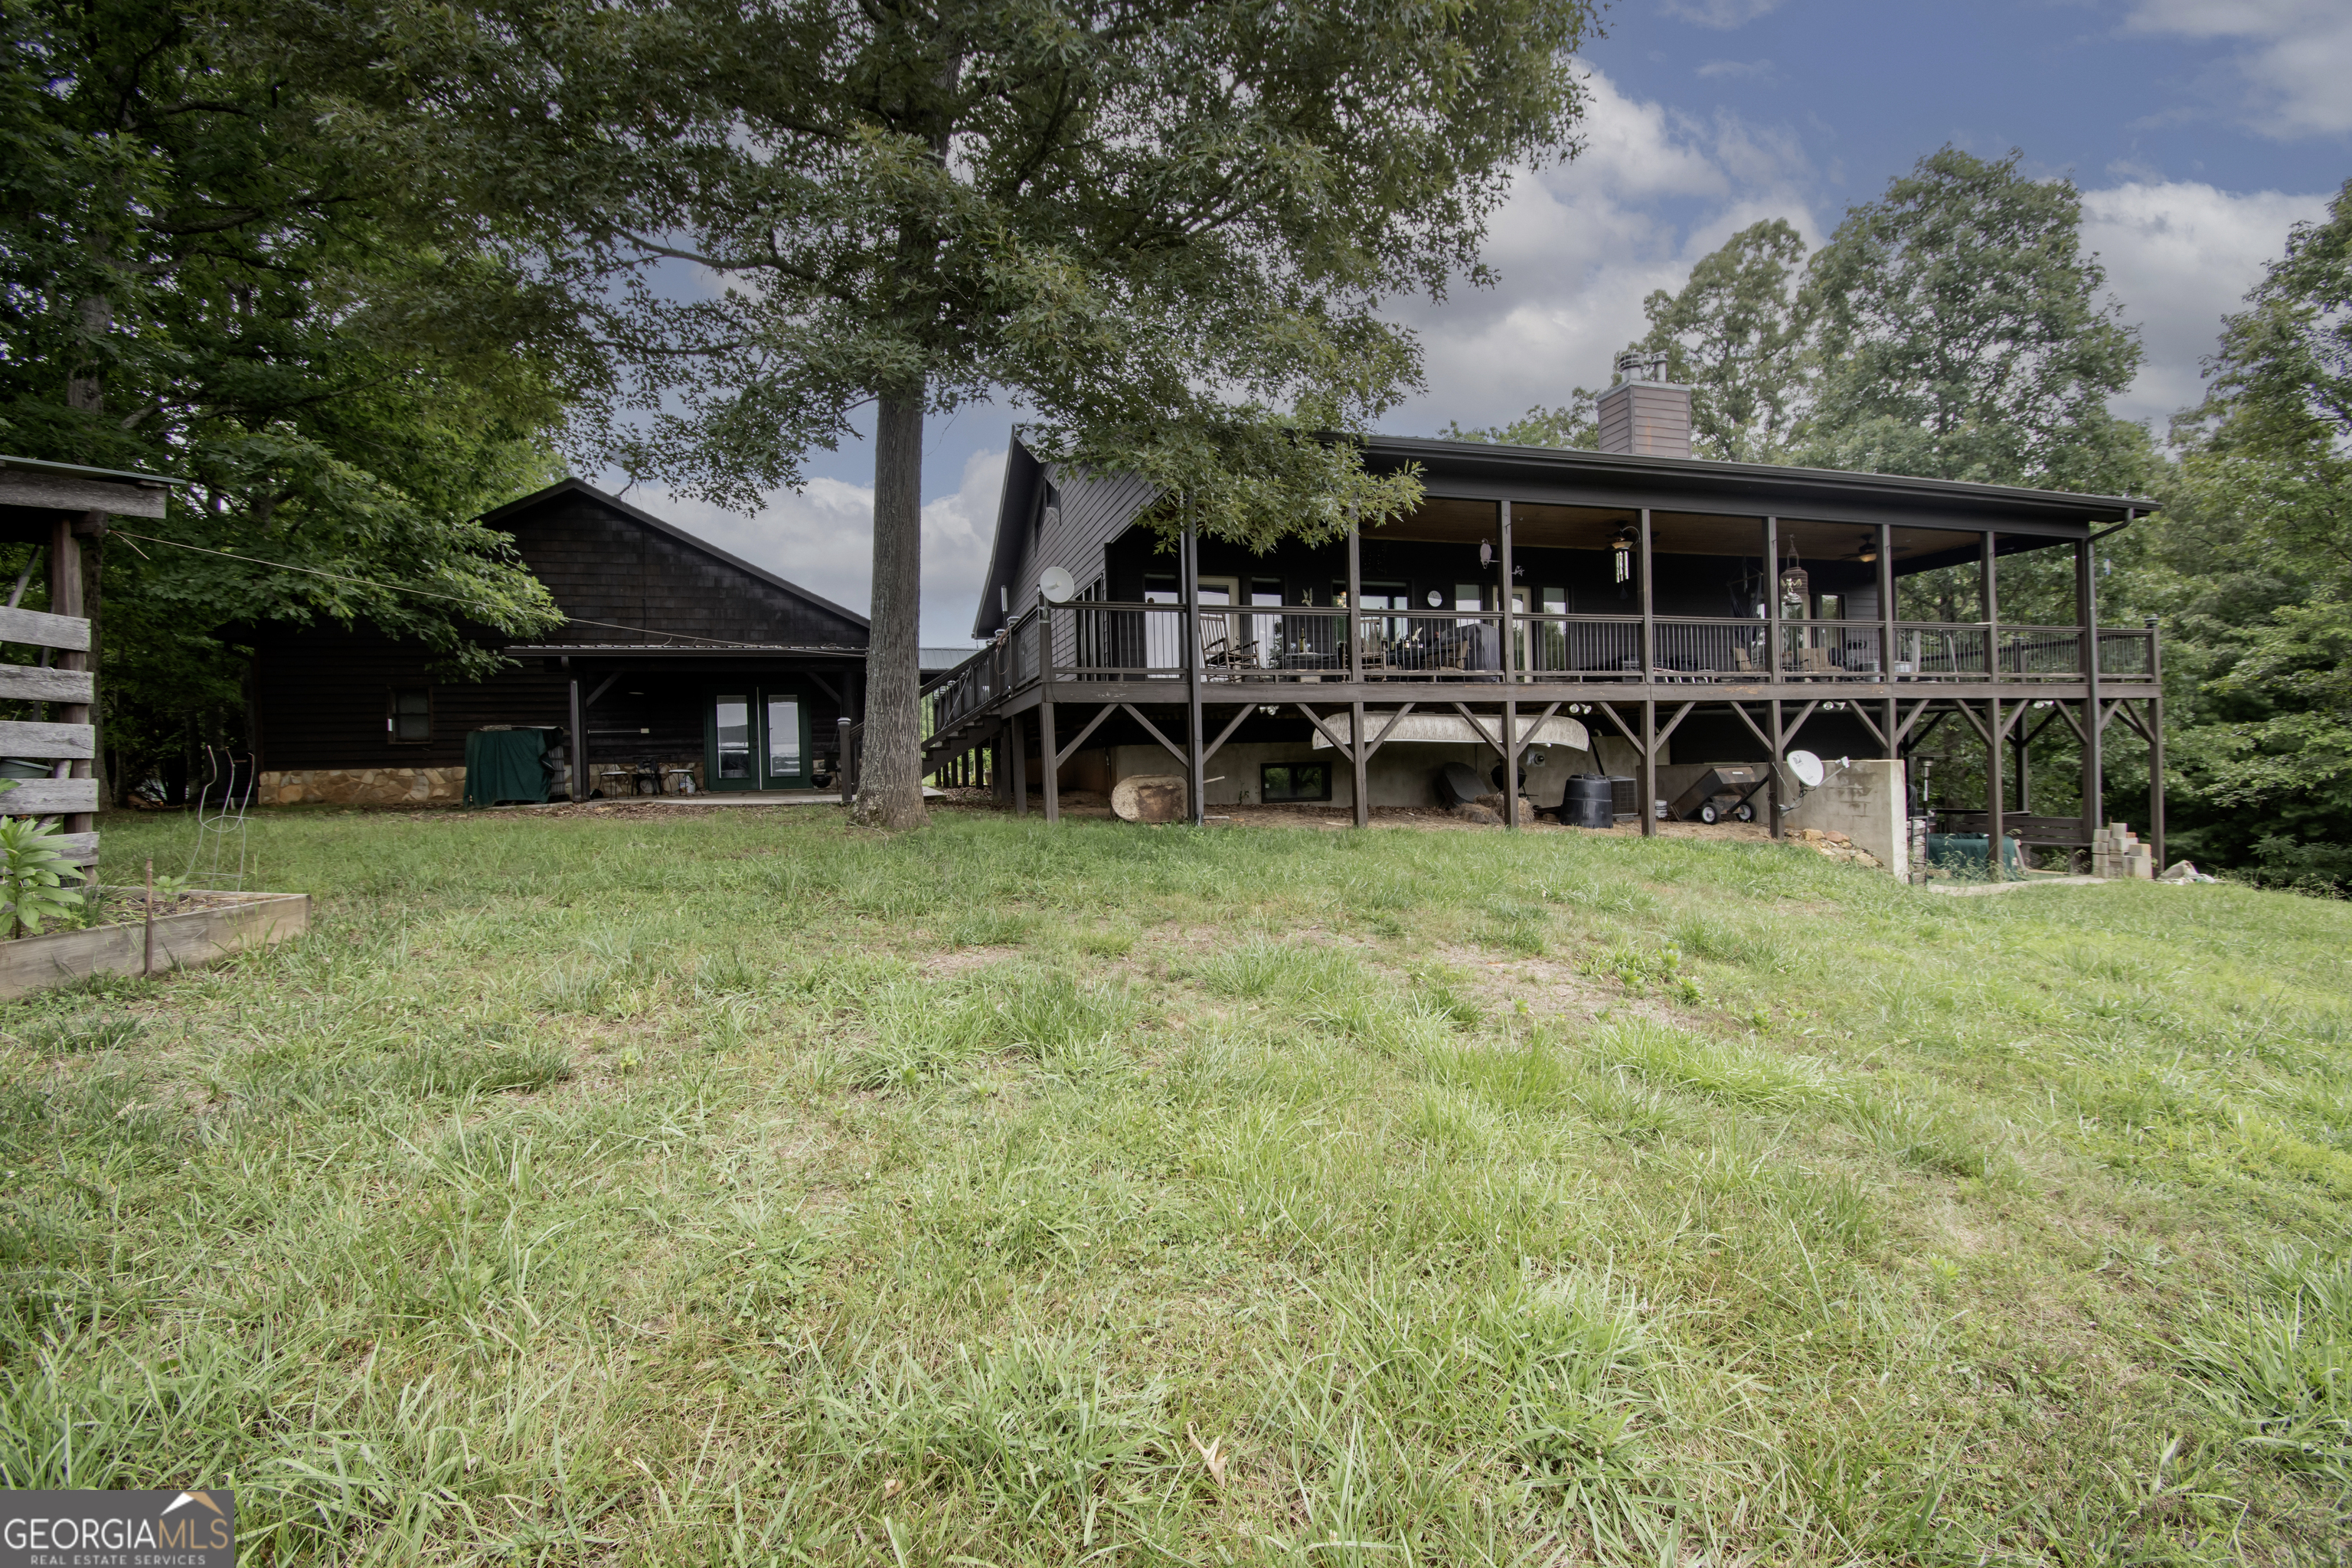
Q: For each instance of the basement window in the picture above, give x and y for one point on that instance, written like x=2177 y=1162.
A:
x=409 y=719
x=1294 y=781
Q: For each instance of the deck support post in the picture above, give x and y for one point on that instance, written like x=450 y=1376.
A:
x=1018 y=732
x=1046 y=748
x=1779 y=737
x=1511 y=723
x=2024 y=773
x=1351 y=627
x=1193 y=763
x=1649 y=801
x=579 y=710
x=2086 y=612
x=1996 y=731
x=1989 y=591
x=2155 y=745
x=1648 y=609
x=1772 y=627
x=1886 y=635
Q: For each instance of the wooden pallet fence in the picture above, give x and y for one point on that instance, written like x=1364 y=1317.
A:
x=69 y=744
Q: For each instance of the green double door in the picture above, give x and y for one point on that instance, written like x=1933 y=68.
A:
x=758 y=739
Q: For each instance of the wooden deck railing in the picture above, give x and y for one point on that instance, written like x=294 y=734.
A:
x=1303 y=644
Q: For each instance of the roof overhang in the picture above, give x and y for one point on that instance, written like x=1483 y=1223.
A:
x=1559 y=474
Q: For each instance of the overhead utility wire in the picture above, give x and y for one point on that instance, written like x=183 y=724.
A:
x=396 y=588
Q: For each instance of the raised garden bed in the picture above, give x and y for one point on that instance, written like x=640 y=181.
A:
x=196 y=928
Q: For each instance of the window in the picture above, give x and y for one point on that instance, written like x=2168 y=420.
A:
x=409 y=719
x=1294 y=781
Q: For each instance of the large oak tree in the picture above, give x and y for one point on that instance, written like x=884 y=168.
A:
x=1164 y=228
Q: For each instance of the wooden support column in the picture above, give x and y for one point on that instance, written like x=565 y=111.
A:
x=1886 y=651
x=1510 y=727
x=580 y=739
x=1351 y=627
x=1779 y=738
x=1194 y=764
x=2155 y=746
x=1649 y=801
x=1989 y=592
x=65 y=599
x=1773 y=622
x=1994 y=866
x=1045 y=746
x=1649 y=620
x=2087 y=609
x=1018 y=733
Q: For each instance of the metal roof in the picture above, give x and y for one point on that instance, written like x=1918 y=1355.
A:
x=1707 y=473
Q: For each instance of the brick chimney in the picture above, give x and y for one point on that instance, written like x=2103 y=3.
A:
x=1644 y=414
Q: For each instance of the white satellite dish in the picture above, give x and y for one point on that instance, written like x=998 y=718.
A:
x=1808 y=769
x=1056 y=584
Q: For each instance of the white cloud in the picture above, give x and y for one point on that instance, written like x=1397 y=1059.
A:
x=1577 y=247
x=1756 y=68
x=1724 y=14
x=2288 y=78
x=2180 y=255
x=823 y=539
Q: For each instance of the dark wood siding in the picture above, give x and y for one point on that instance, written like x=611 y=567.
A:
x=323 y=700
x=321 y=696
x=603 y=566
x=1093 y=512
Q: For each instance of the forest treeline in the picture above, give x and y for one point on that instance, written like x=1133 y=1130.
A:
x=1955 y=328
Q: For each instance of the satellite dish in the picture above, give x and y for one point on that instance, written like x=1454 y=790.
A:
x=1807 y=767
x=1056 y=584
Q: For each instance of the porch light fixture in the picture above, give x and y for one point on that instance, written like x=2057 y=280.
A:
x=1795 y=589
x=1869 y=547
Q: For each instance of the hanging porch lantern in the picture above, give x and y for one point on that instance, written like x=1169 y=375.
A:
x=1796 y=590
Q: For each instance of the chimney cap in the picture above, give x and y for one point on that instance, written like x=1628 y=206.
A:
x=1642 y=365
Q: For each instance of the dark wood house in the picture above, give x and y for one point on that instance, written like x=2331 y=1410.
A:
x=682 y=667
x=1634 y=612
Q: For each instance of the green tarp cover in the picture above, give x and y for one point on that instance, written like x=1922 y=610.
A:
x=503 y=765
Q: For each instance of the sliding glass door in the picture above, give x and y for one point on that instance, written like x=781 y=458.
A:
x=758 y=739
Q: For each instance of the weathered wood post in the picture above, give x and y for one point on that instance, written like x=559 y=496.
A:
x=1045 y=738
x=2155 y=745
x=2087 y=610
x=1649 y=687
x=1886 y=635
x=1194 y=764
x=1351 y=627
x=1510 y=721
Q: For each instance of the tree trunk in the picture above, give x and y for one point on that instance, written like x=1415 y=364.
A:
x=890 y=773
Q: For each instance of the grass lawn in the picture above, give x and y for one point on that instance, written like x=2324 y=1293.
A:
x=734 y=1187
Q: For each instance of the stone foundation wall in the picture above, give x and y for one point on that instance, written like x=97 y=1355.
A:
x=363 y=786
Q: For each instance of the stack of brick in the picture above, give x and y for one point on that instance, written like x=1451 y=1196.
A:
x=2116 y=852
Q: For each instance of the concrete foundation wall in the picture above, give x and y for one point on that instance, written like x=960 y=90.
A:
x=1864 y=800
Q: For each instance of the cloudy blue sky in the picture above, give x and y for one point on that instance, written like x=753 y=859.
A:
x=2198 y=131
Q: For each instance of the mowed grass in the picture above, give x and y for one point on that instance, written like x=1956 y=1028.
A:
x=734 y=1187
